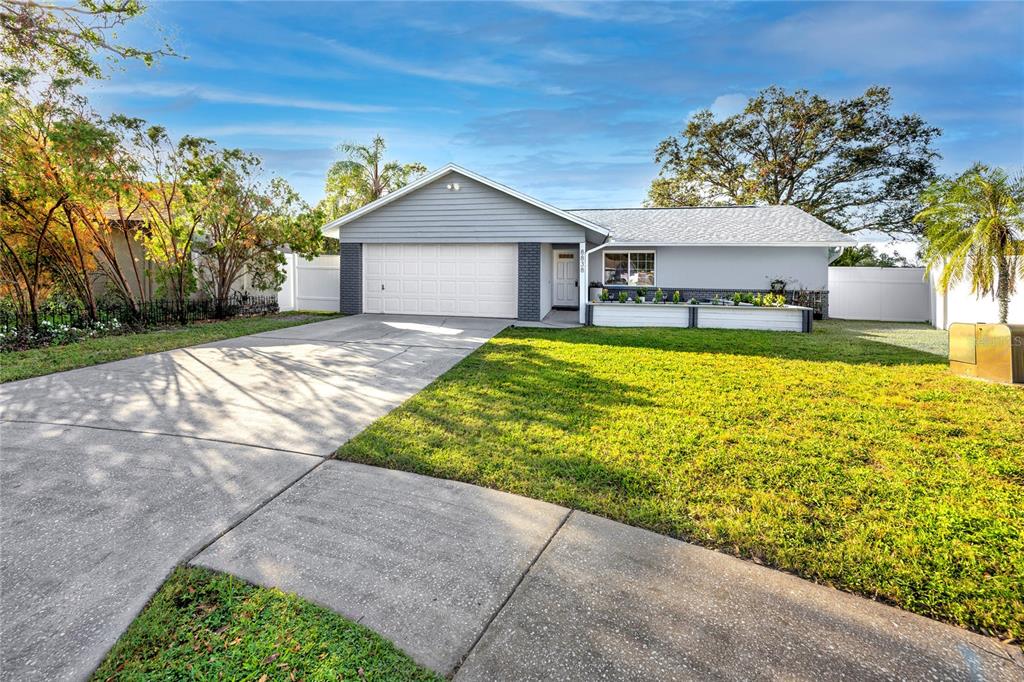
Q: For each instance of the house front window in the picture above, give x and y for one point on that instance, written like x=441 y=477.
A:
x=632 y=268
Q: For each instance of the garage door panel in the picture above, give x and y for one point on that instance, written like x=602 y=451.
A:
x=445 y=279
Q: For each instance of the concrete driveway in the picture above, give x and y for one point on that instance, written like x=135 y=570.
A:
x=112 y=475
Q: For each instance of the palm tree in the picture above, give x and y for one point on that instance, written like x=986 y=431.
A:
x=974 y=229
x=364 y=176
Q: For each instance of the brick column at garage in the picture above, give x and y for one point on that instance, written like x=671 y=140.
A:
x=351 y=299
x=529 y=281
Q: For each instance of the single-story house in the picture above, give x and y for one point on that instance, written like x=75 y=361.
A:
x=456 y=243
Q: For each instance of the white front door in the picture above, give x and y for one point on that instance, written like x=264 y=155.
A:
x=567 y=279
x=478 y=280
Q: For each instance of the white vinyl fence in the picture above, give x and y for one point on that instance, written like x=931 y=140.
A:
x=906 y=295
x=960 y=305
x=310 y=284
x=885 y=294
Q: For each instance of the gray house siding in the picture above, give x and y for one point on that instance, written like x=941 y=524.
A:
x=474 y=213
x=730 y=267
x=704 y=272
x=529 y=281
x=351 y=268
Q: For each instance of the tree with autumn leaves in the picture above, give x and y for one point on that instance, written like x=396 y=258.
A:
x=76 y=189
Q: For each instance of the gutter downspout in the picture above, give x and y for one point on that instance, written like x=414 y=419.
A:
x=585 y=274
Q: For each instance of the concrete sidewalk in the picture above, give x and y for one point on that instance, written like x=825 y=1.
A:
x=490 y=586
x=112 y=475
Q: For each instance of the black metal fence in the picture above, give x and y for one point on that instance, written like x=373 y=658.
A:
x=158 y=313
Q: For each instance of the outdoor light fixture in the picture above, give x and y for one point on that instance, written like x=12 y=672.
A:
x=453 y=187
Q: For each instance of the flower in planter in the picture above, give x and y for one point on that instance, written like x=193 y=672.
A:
x=623 y=297
x=605 y=296
x=659 y=295
x=675 y=296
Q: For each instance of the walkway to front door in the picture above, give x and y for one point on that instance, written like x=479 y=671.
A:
x=567 y=279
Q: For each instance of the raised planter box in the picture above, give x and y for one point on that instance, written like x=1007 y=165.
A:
x=785 y=319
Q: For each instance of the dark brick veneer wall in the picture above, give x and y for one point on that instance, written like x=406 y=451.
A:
x=351 y=279
x=529 y=281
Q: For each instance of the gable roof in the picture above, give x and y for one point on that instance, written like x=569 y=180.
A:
x=332 y=228
x=716 y=225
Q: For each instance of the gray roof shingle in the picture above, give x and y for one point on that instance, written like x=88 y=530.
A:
x=715 y=225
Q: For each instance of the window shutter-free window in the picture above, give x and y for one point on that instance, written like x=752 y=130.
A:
x=633 y=268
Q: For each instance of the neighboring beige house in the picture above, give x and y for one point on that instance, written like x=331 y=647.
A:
x=138 y=270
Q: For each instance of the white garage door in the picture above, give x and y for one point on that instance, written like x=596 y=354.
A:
x=441 y=279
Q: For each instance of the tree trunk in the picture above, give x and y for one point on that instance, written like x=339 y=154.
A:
x=1003 y=287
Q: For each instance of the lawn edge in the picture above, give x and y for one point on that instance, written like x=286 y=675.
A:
x=309 y=318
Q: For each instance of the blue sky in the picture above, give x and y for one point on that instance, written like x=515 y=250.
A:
x=562 y=100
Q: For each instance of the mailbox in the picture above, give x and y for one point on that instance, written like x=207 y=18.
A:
x=987 y=351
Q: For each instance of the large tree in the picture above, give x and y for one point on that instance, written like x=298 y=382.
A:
x=65 y=38
x=850 y=162
x=866 y=256
x=363 y=176
x=974 y=230
x=173 y=180
x=246 y=224
x=59 y=175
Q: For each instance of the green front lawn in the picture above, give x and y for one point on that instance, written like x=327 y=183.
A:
x=849 y=456
x=210 y=626
x=23 y=364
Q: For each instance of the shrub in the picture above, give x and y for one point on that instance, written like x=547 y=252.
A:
x=57 y=334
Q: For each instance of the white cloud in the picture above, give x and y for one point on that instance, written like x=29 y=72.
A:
x=727 y=105
x=724 y=105
x=557 y=90
x=624 y=12
x=894 y=36
x=473 y=71
x=560 y=55
x=175 y=90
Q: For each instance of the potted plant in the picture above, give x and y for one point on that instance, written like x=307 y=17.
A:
x=659 y=295
x=623 y=297
x=595 y=291
x=605 y=296
x=675 y=296
x=641 y=293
